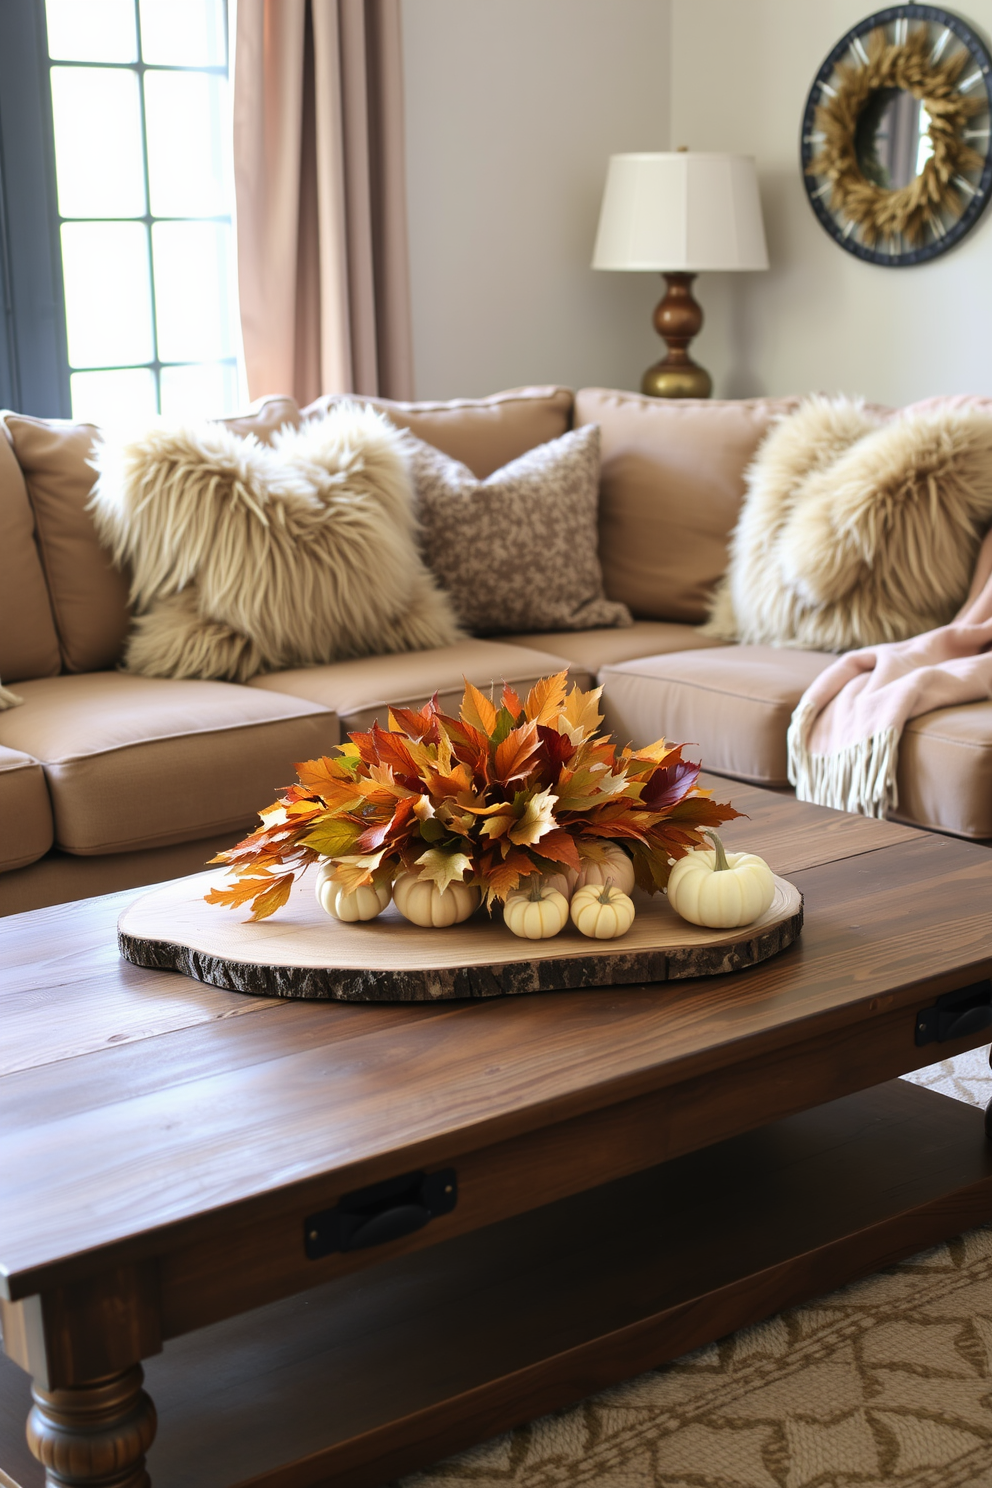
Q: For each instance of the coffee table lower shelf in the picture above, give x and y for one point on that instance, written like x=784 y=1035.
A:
x=396 y=1366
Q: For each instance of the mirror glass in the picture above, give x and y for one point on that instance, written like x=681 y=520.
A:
x=892 y=140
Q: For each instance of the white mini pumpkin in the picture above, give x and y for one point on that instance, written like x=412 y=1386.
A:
x=420 y=901
x=721 y=890
x=615 y=867
x=359 y=904
x=536 y=910
x=602 y=911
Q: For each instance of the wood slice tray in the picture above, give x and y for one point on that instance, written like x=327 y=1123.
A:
x=303 y=952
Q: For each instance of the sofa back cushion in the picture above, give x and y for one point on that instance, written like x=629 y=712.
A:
x=482 y=433
x=29 y=646
x=672 y=485
x=88 y=595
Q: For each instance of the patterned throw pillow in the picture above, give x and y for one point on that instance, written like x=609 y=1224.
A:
x=518 y=551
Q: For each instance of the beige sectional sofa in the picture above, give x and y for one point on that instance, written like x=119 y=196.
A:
x=110 y=781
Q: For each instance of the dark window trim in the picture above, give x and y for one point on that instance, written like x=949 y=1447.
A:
x=34 y=366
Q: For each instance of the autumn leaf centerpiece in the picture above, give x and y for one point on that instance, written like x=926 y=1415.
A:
x=524 y=799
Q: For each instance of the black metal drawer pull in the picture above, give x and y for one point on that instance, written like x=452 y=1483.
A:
x=956 y=1014
x=384 y=1211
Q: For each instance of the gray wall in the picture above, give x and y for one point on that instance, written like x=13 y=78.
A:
x=819 y=318
x=513 y=108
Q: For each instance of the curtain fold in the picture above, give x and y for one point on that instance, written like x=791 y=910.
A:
x=320 y=190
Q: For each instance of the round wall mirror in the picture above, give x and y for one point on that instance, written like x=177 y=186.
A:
x=896 y=146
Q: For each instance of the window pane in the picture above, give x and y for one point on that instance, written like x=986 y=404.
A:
x=207 y=391
x=98 y=142
x=107 y=300
x=108 y=398
x=97 y=31
x=192 y=291
x=185 y=118
x=183 y=33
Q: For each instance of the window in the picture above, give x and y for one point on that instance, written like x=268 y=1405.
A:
x=140 y=134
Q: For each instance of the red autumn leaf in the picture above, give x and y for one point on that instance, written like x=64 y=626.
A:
x=556 y=749
x=669 y=785
x=393 y=751
x=511 y=702
x=420 y=725
x=374 y=837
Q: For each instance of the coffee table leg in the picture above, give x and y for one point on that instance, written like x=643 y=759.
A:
x=94 y=1435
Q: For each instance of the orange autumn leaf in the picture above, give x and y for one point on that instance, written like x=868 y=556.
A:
x=513 y=756
x=477 y=710
x=545 y=698
x=499 y=792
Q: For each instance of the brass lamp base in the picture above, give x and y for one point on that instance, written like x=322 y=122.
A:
x=677 y=319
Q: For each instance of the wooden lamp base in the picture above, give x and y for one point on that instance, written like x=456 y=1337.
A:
x=677 y=318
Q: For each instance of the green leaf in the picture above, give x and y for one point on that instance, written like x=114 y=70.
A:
x=505 y=724
x=333 y=837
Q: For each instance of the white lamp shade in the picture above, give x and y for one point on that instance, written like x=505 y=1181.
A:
x=681 y=212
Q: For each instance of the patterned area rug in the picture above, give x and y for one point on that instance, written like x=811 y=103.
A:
x=884 y=1384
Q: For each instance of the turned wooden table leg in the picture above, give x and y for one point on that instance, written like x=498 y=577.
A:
x=94 y=1435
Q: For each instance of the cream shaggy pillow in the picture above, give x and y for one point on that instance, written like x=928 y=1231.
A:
x=857 y=527
x=247 y=557
x=518 y=551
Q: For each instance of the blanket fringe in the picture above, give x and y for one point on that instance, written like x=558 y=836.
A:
x=9 y=699
x=860 y=778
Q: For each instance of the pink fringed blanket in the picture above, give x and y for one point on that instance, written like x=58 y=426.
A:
x=844 y=735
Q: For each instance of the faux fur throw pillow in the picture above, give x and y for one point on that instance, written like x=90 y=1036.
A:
x=518 y=551
x=857 y=528
x=247 y=557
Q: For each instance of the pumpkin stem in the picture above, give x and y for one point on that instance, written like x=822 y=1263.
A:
x=535 y=888
x=606 y=892
x=721 y=856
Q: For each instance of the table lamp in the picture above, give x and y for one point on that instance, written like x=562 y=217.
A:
x=678 y=214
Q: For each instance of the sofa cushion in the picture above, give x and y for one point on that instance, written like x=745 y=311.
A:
x=672 y=485
x=136 y=762
x=945 y=771
x=483 y=433
x=88 y=595
x=265 y=418
x=29 y=646
x=26 y=829
x=732 y=704
x=593 y=649
x=362 y=690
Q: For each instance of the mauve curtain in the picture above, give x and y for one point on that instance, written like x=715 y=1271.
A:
x=321 y=198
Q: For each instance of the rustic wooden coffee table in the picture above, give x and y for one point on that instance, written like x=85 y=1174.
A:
x=615 y=1176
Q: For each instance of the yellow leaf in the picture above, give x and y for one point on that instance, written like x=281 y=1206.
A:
x=333 y=836
x=537 y=819
x=580 y=717
x=545 y=699
x=444 y=867
x=476 y=709
x=498 y=826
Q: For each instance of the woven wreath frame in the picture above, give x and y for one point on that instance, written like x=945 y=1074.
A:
x=913 y=209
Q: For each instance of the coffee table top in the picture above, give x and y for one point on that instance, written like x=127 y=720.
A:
x=137 y=1102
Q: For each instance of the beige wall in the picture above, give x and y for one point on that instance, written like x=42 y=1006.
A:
x=512 y=110
x=820 y=318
